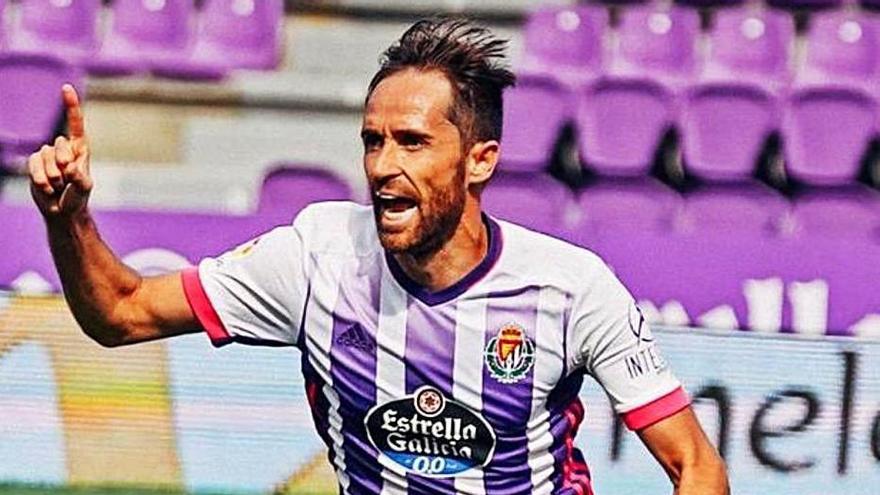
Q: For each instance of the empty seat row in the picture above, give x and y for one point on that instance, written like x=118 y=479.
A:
x=168 y=37
x=611 y=207
x=725 y=105
x=615 y=207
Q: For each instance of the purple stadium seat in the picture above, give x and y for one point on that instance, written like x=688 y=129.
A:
x=738 y=89
x=535 y=111
x=617 y=206
x=750 y=42
x=141 y=34
x=232 y=34
x=30 y=102
x=847 y=211
x=565 y=43
x=734 y=207
x=842 y=47
x=2 y=24
x=831 y=112
x=288 y=188
x=658 y=42
x=620 y=123
x=44 y=26
x=536 y=201
x=622 y=116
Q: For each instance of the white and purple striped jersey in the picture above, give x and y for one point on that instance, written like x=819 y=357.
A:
x=472 y=389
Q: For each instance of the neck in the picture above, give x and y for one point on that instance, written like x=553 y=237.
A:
x=456 y=258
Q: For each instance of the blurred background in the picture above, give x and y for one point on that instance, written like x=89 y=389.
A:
x=722 y=156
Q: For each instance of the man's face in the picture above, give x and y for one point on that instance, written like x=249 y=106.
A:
x=414 y=161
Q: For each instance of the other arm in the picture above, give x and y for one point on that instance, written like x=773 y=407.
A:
x=681 y=447
x=110 y=301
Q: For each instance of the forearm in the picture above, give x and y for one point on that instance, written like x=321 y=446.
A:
x=97 y=285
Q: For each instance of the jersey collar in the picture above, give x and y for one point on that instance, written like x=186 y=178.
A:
x=493 y=230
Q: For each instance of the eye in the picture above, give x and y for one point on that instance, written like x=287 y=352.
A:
x=372 y=141
x=412 y=141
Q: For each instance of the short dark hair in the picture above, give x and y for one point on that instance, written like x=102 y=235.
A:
x=470 y=56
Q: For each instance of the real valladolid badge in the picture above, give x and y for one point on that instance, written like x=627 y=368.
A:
x=510 y=354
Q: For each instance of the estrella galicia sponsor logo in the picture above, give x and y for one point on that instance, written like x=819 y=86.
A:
x=510 y=354
x=430 y=435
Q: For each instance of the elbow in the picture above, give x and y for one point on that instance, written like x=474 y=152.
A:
x=107 y=337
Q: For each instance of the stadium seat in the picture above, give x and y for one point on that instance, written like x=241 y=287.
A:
x=565 y=43
x=30 y=103
x=830 y=114
x=288 y=188
x=2 y=24
x=657 y=41
x=141 y=34
x=846 y=211
x=535 y=111
x=232 y=34
x=536 y=201
x=622 y=116
x=615 y=205
x=44 y=26
x=738 y=88
x=734 y=207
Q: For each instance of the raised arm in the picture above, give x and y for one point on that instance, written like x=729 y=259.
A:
x=110 y=301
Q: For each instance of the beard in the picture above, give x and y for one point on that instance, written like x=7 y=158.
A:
x=436 y=220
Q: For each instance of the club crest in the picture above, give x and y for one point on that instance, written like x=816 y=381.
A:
x=510 y=354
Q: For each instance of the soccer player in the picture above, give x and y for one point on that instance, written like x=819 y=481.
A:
x=442 y=349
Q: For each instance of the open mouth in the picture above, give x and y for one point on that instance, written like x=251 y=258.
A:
x=395 y=208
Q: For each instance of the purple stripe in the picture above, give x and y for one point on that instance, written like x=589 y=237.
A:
x=353 y=368
x=434 y=298
x=508 y=407
x=317 y=402
x=430 y=348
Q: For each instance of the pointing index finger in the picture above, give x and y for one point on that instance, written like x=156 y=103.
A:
x=75 y=122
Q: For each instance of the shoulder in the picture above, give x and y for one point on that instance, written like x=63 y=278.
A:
x=337 y=226
x=547 y=260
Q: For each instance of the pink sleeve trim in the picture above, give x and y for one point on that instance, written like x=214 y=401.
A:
x=652 y=412
x=202 y=307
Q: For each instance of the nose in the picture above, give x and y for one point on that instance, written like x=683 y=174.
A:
x=384 y=164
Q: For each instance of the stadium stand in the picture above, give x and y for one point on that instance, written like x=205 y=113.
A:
x=622 y=82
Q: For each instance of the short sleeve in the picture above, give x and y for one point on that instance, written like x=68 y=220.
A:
x=255 y=293
x=614 y=343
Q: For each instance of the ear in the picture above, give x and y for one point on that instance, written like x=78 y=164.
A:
x=481 y=161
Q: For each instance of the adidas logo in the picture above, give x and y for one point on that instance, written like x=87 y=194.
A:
x=355 y=336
